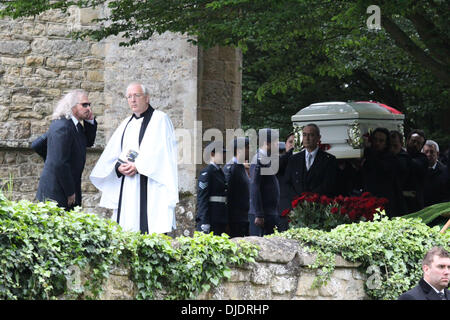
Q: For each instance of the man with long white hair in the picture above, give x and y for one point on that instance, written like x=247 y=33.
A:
x=72 y=130
x=137 y=171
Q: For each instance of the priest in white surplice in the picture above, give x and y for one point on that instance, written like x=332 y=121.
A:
x=137 y=171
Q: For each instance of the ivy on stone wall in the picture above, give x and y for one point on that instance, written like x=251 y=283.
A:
x=391 y=251
x=41 y=246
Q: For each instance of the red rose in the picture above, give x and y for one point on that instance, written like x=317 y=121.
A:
x=334 y=210
x=285 y=212
x=365 y=195
x=325 y=200
x=353 y=214
x=315 y=198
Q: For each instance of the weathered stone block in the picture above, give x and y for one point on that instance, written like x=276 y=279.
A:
x=275 y=249
x=260 y=274
x=282 y=285
x=12 y=61
x=14 y=47
x=304 y=285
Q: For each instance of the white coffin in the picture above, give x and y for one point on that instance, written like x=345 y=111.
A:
x=343 y=124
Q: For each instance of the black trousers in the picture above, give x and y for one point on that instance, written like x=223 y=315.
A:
x=270 y=222
x=239 y=229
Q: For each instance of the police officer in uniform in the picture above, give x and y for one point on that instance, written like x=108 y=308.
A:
x=238 y=188
x=212 y=212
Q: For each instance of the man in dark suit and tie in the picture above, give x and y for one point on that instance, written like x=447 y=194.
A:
x=436 y=273
x=312 y=169
x=72 y=130
x=436 y=188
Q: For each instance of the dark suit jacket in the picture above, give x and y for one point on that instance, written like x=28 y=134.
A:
x=321 y=177
x=238 y=194
x=380 y=173
x=211 y=183
x=423 y=291
x=264 y=188
x=66 y=156
x=436 y=188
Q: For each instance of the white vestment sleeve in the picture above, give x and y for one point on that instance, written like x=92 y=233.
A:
x=104 y=176
x=158 y=155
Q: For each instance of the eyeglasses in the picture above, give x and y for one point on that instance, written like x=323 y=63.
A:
x=135 y=95
x=86 y=104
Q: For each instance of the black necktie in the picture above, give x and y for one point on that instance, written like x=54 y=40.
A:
x=80 y=128
x=441 y=295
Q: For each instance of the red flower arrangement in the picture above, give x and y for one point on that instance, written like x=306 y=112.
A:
x=321 y=212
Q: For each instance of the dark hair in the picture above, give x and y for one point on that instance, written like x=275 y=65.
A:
x=386 y=133
x=419 y=132
x=240 y=143
x=287 y=137
x=435 y=251
x=315 y=126
x=395 y=133
x=269 y=134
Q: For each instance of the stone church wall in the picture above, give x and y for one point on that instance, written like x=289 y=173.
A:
x=39 y=62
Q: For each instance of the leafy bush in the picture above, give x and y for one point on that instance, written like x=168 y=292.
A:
x=390 y=250
x=40 y=244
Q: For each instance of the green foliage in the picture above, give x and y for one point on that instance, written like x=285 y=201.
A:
x=430 y=213
x=297 y=52
x=39 y=243
x=390 y=251
x=189 y=267
x=41 y=246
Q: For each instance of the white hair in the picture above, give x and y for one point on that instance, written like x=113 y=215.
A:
x=64 y=106
x=432 y=143
x=144 y=88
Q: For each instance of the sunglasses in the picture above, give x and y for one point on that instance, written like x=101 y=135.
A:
x=86 y=104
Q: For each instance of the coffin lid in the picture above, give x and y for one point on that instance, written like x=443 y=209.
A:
x=336 y=110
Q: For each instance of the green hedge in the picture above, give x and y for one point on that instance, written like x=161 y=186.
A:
x=391 y=251
x=40 y=244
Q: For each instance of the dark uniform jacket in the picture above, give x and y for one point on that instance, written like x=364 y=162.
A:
x=436 y=187
x=321 y=177
x=264 y=189
x=423 y=291
x=65 y=159
x=211 y=183
x=238 y=192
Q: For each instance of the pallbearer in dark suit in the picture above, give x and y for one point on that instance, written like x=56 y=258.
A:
x=238 y=195
x=312 y=169
x=67 y=139
x=436 y=188
x=212 y=211
x=264 y=188
x=436 y=273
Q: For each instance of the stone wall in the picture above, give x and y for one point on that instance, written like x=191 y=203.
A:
x=39 y=62
x=280 y=272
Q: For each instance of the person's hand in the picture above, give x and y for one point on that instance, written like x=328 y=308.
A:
x=71 y=200
x=127 y=169
x=206 y=228
x=259 y=222
x=90 y=116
